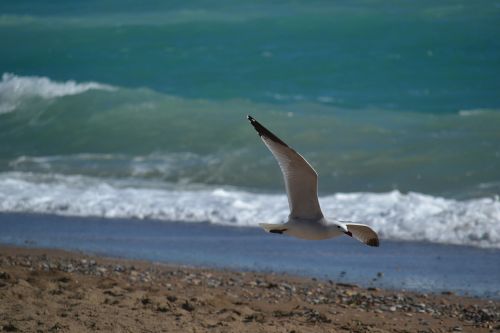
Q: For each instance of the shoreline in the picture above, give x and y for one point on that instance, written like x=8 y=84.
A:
x=423 y=267
x=58 y=290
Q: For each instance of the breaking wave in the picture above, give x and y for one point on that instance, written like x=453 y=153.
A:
x=395 y=215
x=16 y=89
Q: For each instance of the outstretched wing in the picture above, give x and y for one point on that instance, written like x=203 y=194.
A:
x=363 y=233
x=301 y=180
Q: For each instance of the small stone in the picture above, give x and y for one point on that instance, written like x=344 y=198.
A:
x=288 y=287
x=347 y=285
x=10 y=328
x=119 y=268
x=24 y=283
x=187 y=306
x=212 y=283
x=102 y=270
x=162 y=308
x=64 y=279
x=257 y=317
x=57 y=327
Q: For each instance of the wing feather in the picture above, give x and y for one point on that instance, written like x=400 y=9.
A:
x=363 y=233
x=301 y=180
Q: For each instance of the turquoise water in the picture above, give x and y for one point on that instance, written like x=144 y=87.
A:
x=410 y=56
x=395 y=103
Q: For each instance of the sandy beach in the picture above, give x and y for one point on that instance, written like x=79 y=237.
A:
x=56 y=291
x=133 y=187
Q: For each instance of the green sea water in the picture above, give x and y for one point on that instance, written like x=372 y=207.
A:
x=423 y=56
x=103 y=103
x=387 y=95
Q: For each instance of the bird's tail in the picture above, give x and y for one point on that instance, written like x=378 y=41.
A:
x=273 y=228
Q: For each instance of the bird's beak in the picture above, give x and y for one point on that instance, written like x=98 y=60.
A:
x=348 y=233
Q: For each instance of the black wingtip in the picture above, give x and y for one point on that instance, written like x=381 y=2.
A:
x=277 y=231
x=251 y=119
x=264 y=131
x=373 y=242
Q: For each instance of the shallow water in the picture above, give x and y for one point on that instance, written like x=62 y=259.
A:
x=419 y=266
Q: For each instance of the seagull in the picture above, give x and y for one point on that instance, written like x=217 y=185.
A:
x=306 y=220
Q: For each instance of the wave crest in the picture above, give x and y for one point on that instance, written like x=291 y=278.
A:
x=14 y=89
x=411 y=216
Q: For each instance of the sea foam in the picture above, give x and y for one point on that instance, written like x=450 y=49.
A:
x=15 y=89
x=395 y=215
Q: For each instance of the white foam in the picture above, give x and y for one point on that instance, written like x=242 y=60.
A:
x=475 y=112
x=394 y=215
x=14 y=89
x=178 y=165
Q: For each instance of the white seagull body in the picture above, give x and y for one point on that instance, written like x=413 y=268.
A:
x=306 y=220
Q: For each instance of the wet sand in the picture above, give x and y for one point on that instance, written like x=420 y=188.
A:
x=418 y=266
x=56 y=291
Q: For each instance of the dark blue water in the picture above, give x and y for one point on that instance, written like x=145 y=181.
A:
x=405 y=265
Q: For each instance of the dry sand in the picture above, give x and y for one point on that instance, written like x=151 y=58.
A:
x=56 y=291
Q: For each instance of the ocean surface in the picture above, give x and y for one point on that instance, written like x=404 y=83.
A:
x=125 y=109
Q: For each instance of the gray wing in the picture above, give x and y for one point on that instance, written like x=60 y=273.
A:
x=363 y=233
x=301 y=180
